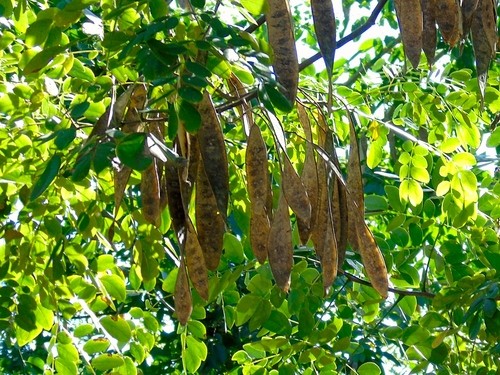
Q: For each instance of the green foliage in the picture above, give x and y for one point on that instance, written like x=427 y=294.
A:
x=87 y=286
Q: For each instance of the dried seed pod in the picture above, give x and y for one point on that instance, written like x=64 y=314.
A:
x=484 y=39
x=121 y=175
x=309 y=176
x=359 y=235
x=295 y=192
x=372 y=258
x=209 y=222
x=183 y=301
x=150 y=194
x=258 y=184
x=339 y=214
x=238 y=90
x=132 y=119
x=355 y=195
x=409 y=13
x=329 y=258
x=325 y=30
x=195 y=261
x=449 y=19
x=213 y=152
x=429 y=33
x=175 y=200
x=280 y=245
x=468 y=8
x=282 y=41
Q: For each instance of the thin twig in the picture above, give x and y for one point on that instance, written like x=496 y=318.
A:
x=341 y=42
x=250 y=29
x=401 y=292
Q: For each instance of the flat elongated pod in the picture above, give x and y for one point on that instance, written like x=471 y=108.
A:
x=183 y=301
x=325 y=30
x=213 y=152
x=360 y=236
x=174 y=200
x=339 y=215
x=280 y=245
x=309 y=177
x=209 y=222
x=282 y=41
x=295 y=191
x=449 y=19
x=409 y=13
x=150 y=194
x=195 y=261
x=484 y=39
x=258 y=184
x=468 y=8
x=429 y=33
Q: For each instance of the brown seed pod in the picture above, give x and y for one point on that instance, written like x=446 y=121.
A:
x=175 y=202
x=213 y=152
x=468 y=8
x=183 y=301
x=429 y=33
x=409 y=13
x=121 y=175
x=372 y=258
x=209 y=222
x=449 y=19
x=339 y=214
x=280 y=245
x=484 y=39
x=258 y=184
x=132 y=119
x=238 y=90
x=325 y=30
x=355 y=195
x=195 y=261
x=282 y=41
x=295 y=192
x=309 y=176
x=359 y=235
x=150 y=194
x=329 y=259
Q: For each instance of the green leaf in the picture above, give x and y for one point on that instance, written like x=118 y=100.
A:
x=117 y=327
x=494 y=138
x=189 y=116
x=278 y=323
x=256 y=7
x=233 y=248
x=278 y=100
x=198 y=69
x=195 y=353
x=106 y=362
x=42 y=59
x=158 y=8
x=190 y=94
x=411 y=191
x=369 y=368
x=97 y=345
x=83 y=330
x=47 y=177
x=449 y=145
x=393 y=196
x=375 y=203
x=464 y=159
x=414 y=335
x=66 y=367
x=64 y=137
x=82 y=168
x=115 y=286
x=131 y=151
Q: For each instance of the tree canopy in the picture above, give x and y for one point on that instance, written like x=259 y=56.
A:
x=184 y=189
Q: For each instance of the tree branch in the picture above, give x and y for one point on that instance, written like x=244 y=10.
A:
x=401 y=292
x=341 y=42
